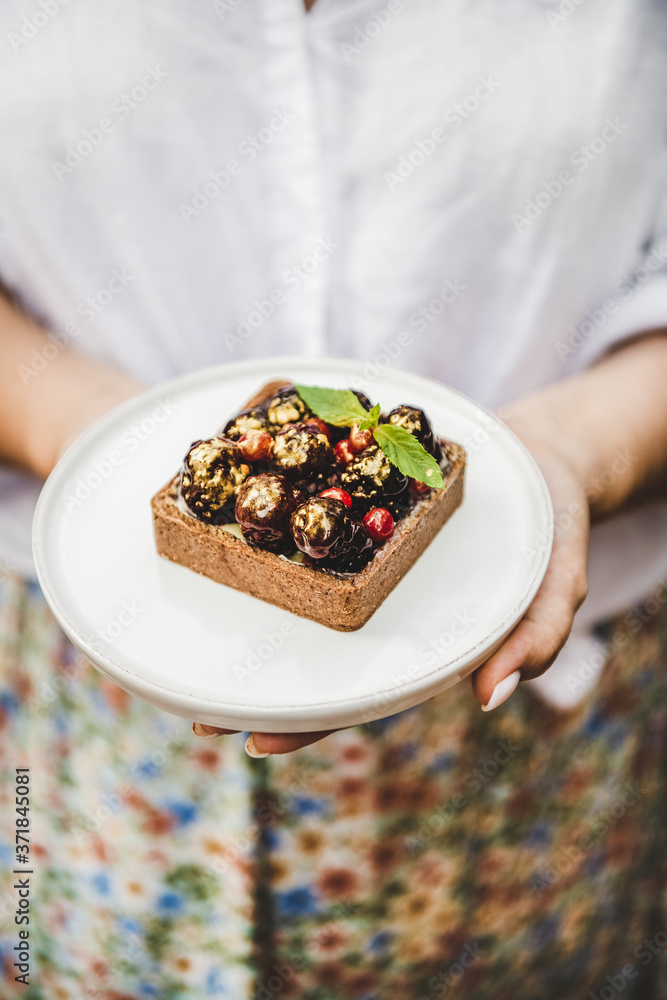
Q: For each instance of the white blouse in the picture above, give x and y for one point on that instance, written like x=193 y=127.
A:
x=473 y=190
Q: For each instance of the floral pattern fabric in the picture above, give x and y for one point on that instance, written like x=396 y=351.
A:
x=439 y=853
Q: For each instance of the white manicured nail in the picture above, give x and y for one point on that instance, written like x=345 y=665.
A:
x=252 y=750
x=196 y=727
x=502 y=691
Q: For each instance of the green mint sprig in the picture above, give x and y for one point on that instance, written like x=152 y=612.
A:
x=342 y=408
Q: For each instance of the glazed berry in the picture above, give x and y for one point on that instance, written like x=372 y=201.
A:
x=320 y=426
x=325 y=531
x=255 y=445
x=343 y=452
x=419 y=489
x=360 y=440
x=247 y=420
x=416 y=422
x=379 y=524
x=212 y=473
x=287 y=407
x=264 y=506
x=301 y=452
x=372 y=481
x=336 y=493
x=363 y=399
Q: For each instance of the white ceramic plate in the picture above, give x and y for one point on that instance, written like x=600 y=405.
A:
x=204 y=651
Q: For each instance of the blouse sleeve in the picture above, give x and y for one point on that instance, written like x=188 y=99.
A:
x=636 y=304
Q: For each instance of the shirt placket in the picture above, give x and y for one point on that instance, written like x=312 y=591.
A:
x=299 y=242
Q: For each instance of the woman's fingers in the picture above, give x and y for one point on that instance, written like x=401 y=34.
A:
x=263 y=744
x=540 y=635
x=269 y=743
x=530 y=649
x=205 y=732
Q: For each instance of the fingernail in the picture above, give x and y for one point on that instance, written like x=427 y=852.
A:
x=199 y=729
x=252 y=750
x=502 y=691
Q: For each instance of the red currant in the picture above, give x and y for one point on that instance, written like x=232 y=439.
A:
x=320 y=426
x=419 y=489
x=255 y=445
x=336 y=493
x=379 y=524
x=344 y=453
x=360 y=440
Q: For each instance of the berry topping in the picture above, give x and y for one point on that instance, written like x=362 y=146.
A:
x=419 y=489
x=320 y=426
x=255 y=445
x=379 y=524
x=363 y=399
x=287 y=407
x=360 y=440
x=264 y=506
x=212 y=472
x=372 y=480
x=416 y=422
x=336 y=493
x=343 y=452
x=324 y=530
x=247 y=420
x=302 y=452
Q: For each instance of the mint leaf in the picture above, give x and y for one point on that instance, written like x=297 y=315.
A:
x=339 y=407
x=371 y=420
x=410 y=457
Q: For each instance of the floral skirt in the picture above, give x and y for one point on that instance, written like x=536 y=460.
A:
x=439 y=853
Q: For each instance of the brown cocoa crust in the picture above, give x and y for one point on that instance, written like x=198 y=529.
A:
x=266 y=393
x=341 y=603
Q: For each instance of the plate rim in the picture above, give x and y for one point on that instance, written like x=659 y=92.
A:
x=442 y=675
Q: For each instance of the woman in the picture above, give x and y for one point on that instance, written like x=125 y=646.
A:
x=473 y=192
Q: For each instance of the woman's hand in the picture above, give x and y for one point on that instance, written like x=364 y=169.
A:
x=542 y=632
x=600 y=439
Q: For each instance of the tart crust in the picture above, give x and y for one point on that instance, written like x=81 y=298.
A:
x=341 y=602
